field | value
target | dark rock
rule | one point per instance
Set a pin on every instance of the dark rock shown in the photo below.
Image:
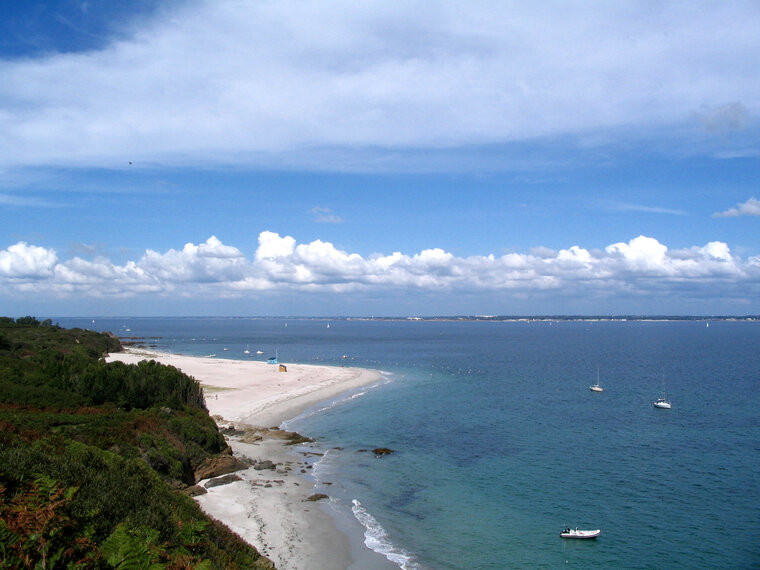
(265, 464)
(382, 451)
(312, 454)
(224, 480)
(317, 497)
(232, 431)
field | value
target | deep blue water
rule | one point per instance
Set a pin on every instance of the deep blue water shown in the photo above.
(499, 443)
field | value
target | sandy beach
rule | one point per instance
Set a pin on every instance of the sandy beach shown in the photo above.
(269, 506)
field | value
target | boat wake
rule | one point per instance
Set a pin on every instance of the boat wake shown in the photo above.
(375, 538)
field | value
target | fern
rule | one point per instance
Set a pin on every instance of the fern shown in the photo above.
(131, 550)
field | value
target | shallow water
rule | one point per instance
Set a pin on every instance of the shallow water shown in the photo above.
(499, 443)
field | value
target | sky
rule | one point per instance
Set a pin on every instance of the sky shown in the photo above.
(417, 158)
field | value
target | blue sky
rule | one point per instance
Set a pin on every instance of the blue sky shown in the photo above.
(343, 158)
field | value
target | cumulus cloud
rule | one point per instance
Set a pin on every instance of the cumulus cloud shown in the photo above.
(271, 246)
(221, 81)
(749, 208)
(207, 262)
(216, 270)
(23, 261)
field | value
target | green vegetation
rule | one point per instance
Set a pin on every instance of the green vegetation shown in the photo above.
(92, 457)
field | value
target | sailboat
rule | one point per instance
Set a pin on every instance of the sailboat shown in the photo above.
(247, 349)
(596, 387)
(662, 402)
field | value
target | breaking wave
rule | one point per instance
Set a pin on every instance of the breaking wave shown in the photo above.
(375, 538)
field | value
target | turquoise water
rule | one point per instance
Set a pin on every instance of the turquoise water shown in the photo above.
(499, 443)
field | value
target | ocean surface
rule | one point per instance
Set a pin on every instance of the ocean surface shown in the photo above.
(499, 443)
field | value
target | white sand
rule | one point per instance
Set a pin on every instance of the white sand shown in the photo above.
(268, 508)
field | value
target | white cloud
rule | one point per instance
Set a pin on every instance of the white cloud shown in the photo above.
(749, 208)
(290, 82)
(641, 254)
(624, 207)
(213, 270)
(271, 245)
(22, 261)
(208, 262)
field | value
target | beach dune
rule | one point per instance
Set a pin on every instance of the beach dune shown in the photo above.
(269, 507)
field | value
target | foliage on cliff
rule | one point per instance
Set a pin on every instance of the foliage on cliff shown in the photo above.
(92, 455)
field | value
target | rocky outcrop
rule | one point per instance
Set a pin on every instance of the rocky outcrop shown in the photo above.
(382, 451)
(223, 480)
(219, 465)
(292, 437)
(193, 491)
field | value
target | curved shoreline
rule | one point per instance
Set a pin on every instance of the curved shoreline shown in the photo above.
(269, 507)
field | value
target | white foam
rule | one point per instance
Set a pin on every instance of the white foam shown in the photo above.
(375, 538)
(339, 401)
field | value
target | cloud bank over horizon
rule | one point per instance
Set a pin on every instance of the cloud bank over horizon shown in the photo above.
(637, 268)
(335, 85)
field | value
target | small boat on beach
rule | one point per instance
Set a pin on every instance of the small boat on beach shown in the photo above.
(577, 533)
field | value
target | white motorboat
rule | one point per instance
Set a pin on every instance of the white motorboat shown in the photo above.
(577, 533)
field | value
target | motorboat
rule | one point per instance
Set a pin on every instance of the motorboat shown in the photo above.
(577, 533)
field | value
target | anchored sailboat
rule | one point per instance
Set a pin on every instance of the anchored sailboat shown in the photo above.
(596, 387)
(662, 402)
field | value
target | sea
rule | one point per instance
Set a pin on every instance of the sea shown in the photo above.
(498, 443)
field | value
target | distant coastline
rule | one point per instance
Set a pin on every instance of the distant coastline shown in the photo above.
(444, 318)
(543, 318)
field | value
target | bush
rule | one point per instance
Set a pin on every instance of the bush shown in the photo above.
(89, 452)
